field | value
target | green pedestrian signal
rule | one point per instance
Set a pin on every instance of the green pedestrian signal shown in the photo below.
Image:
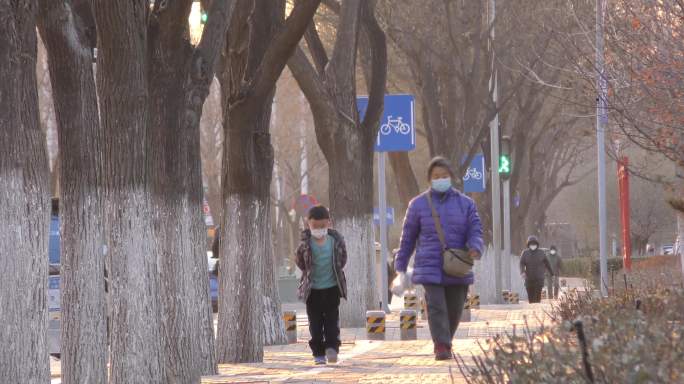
(204, 17)
(504, 165)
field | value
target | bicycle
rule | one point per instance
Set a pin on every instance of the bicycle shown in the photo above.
(397, 124)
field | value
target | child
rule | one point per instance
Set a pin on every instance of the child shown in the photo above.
(321, 256)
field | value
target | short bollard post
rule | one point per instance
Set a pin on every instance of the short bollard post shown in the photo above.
(475, 301)
(375, 325)
(411, 301)
(290, 319)
(506, 296)
(423, 309)
(465, 316)
(514, 298)
(408, 324)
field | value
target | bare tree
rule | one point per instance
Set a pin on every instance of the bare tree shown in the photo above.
(258, 49)
(69, 34)
(175, 165)
(24, 202)
(329, 83)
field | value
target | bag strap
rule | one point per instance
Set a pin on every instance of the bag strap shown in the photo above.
(438, 224)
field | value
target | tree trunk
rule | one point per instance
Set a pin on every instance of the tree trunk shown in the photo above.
(405, 177)
(84, 334)
(24, 203)
(245, 236)
(136, 341)
(352, 207)
(260, 45)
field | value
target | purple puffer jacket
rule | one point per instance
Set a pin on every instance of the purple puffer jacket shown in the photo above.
(462, 229)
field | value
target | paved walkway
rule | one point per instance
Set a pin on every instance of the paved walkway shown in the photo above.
(389, 361)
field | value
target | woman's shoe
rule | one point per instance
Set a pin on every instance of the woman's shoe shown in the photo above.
(442, 352)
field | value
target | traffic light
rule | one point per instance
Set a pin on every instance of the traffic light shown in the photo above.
(204, 17)
(505, 163)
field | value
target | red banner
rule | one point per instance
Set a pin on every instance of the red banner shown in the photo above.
(623, 187)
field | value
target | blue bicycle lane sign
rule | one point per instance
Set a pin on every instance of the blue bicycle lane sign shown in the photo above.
(475, 180)
(397, 125)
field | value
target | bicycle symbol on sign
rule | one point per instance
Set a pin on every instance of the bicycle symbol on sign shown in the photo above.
(474, 173)
(397, 124)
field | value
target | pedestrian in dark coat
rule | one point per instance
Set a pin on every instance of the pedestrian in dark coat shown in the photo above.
(533, 265)
(321, 256)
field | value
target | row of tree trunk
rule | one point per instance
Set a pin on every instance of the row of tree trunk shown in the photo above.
(131, 187)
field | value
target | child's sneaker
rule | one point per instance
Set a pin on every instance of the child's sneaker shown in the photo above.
(319, 360)
(331, 354)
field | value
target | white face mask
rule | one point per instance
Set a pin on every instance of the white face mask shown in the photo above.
(533, 247)
(553, 252)
(319, 233)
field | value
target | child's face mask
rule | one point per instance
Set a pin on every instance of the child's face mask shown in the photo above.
(319, 233)
(553, 252)
(533, 247)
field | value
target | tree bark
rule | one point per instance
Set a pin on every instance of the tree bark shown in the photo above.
(249, 308)
(137, 354)
(84, 334)
(407, 184)
(24, 203)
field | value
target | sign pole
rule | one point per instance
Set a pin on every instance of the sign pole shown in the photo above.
(507, 233)
(496, 181)
(382, 216)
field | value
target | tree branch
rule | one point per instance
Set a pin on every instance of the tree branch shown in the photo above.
(316, 48)
(281, 48)
(310, 84)
(378, 81)
(343, 61)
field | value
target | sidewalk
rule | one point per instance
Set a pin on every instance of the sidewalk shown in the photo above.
(389, 361)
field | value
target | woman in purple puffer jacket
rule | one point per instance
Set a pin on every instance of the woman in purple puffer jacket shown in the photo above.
(445, 295)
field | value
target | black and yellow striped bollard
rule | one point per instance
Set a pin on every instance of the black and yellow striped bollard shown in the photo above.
(408, 322)
(375, 325)
(290, 319)
(514, 298)
(411, 301)
(475, 301)
(506, 294)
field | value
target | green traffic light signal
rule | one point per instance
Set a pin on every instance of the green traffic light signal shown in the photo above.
(504, 165)
(204, 17)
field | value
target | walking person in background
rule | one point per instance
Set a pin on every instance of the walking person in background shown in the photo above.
(441, 221)
(553, 281)
(533, 264)
(321, 256)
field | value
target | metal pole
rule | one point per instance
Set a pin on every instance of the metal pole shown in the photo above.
(601, 120)
(496, 181)
(507, 233)
(382, 216)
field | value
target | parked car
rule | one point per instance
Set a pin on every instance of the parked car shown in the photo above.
(668, 249)
(213, 280)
